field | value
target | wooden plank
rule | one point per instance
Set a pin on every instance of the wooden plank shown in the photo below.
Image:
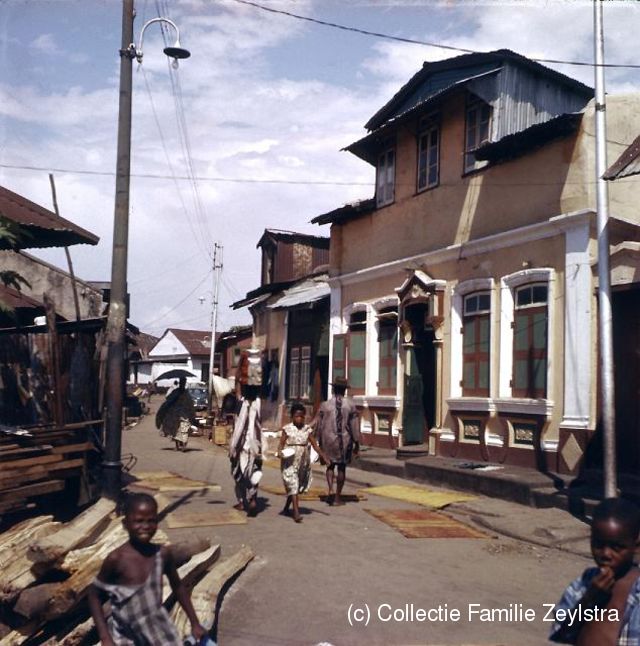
(55, 546)
(207, 518)
(24, 451)
(73, 448)
(37, 471)
(205, 594)
(188, 573)
(43, 459)
(32, 490)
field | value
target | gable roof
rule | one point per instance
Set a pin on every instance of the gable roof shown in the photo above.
(43, 228)
(278, 235)
(435, 77)
(196, 342)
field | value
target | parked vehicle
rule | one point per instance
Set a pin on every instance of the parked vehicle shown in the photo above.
(199, 395)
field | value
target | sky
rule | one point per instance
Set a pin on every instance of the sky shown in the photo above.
(245, 135)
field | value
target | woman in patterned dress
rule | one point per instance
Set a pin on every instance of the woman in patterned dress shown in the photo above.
(296, 468)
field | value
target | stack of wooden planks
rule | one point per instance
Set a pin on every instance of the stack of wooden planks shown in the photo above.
(46, 569)
(39, 461)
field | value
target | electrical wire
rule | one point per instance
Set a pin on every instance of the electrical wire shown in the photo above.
(197, 238)
(183, 132)
(159, 318)
(414, 41)
(201, 178)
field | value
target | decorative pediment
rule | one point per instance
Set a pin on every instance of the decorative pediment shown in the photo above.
(419, 287)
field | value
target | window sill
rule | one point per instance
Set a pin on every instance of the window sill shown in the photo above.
(475, 171)
(377, 401)
(426, 189)
(471, 404)
(511, 405)
(524, 406)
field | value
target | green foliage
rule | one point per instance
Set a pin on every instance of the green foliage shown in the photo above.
(10, 232)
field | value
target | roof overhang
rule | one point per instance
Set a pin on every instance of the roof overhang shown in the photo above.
(368, 147)
(303, 294)
(38, 227)
(530, 138)
(346, 212)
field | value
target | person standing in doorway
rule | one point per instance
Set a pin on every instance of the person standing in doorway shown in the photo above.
(338, 432)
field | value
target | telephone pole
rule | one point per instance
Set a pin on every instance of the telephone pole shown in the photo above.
(217, 270)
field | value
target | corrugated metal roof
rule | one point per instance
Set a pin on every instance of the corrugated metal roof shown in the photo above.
(15, 299)
(439, 72)
(534, 136)
(308, 291)
(367, 149)
(347, 212)
(43, 227)
(627, 164)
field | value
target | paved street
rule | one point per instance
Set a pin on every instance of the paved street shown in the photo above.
(306, 577)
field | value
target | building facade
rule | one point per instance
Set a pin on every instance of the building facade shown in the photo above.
(290, 312)
(463, 294)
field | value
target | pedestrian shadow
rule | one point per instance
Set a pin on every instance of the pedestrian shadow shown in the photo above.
(173, 449)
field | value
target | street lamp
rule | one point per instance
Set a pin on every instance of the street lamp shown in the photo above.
(117, 318)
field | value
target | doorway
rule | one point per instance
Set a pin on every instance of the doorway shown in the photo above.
(626, 356)
(419, 392)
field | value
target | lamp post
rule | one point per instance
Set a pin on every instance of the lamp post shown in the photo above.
(117, 318)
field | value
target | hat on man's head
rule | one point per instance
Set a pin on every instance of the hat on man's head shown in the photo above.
(341, 382)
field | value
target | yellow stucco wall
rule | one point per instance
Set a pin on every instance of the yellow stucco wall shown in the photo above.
(554, 179)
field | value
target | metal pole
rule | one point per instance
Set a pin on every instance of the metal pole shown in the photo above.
(116, 322)
(217, 267)
(604, 279)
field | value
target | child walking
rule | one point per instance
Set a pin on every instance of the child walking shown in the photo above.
(296, 467)
(602, 606)
(131, 578)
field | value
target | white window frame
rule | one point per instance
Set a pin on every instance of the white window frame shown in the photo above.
(508, 286)
(386, 176)
(461, 290)
(470, 162)
(428, 126)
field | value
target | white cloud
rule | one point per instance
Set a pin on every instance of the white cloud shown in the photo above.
(46, 44)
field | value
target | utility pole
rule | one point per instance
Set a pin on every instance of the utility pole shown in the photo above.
(605, 317)
(117, 319)
(217, 269)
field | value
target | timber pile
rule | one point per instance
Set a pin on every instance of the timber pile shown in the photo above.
(38, 462)
(46, 569)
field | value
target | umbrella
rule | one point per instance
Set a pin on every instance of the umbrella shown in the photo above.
(176, 373)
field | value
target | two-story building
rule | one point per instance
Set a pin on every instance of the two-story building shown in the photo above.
(290, 313)
(463, 294)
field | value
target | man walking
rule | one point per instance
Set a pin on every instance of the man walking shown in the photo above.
(338, 433)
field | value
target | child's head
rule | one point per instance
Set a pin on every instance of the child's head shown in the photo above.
(614, 534)
(298, 413)
(140, 517)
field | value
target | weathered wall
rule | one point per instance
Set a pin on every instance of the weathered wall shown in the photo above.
(557, 178)
(46, 278)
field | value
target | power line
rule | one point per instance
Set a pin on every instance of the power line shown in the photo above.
(159, 318)
(199, 178)
(168, 160)
(415, 41)
(625, 180)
